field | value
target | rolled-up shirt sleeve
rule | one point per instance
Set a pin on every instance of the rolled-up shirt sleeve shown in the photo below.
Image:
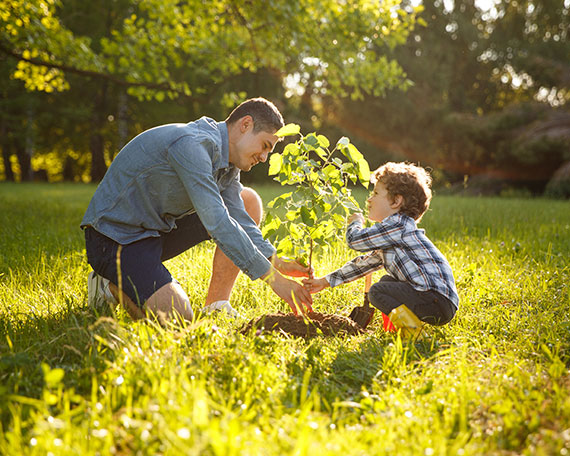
(193, 164)
(234, 203)
(356, 268)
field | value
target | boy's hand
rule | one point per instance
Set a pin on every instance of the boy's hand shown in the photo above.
(291, 268)
(356, 216)
(316, 285)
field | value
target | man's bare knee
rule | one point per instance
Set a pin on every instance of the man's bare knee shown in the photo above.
(253, 204)
(134, 311)
(169, 303)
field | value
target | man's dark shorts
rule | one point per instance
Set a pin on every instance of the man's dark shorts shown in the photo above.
(141, 262)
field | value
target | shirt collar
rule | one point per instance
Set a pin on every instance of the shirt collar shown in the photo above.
(229, 169)
(225, 162)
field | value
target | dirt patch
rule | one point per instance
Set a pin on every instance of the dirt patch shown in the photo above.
(315, 324)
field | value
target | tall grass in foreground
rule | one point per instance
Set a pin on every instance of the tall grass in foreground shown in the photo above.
(494, 381)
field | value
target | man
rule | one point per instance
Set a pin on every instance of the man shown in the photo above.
(172, 187)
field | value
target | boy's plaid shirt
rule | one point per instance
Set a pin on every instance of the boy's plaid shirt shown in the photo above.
(403, 250)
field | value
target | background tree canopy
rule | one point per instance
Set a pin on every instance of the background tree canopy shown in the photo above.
(487, 81)
(489, 97)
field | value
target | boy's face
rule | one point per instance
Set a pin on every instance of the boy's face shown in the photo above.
(380, 205)
(248, 148)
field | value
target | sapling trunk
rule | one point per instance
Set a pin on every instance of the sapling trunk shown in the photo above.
(310, 256)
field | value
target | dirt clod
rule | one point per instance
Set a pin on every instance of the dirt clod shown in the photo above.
(316, 323)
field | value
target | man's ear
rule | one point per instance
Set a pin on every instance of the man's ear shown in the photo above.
(397, 202)
(245, 123)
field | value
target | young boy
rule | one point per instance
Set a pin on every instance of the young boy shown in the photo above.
(418, 275)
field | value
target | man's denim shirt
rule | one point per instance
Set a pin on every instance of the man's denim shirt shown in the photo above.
(173, 170)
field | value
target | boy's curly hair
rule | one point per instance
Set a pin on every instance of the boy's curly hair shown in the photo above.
(411, 181)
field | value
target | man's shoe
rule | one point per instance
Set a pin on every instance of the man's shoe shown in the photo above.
(221, 306)
(98, 293)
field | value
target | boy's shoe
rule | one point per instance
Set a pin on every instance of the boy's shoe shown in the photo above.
(221, 306)
(98, 293)
(407, 321)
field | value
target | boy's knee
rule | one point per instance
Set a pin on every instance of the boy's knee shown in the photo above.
(374, 292)
(379, 299)
(253, 204)
(376, 288)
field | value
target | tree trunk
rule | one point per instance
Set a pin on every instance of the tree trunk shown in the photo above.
(96, 142)
(8, 171)
(69, 169)
(29, 145)
(122, 120)
(6, 152)
(98, 166)
(25, 160)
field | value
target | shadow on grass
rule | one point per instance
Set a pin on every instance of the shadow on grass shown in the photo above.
(68, 339)
(382, 357)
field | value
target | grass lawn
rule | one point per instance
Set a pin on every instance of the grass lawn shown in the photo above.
(495, 380)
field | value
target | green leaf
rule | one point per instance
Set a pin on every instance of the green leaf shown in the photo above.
(323, 141)
(284, 247)
(354, 154)
(288, 130)
(331, 172)
(338, 219)
(284, 176)
(275, 163)
(280, 200)
(52, 377)
(314, 164)
(311, 140)
(363, 172)
(296, 231)
(291, 149)
(349, 168)
(308, 216)
(271, 228)
(321, 152)
(292, 215)
(351, 204)
(344, 141)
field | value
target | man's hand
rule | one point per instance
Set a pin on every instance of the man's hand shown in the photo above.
(356, 216)
(291, 268)
(291, 292)
(316, 285)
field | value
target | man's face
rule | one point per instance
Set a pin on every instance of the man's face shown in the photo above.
(251, 148)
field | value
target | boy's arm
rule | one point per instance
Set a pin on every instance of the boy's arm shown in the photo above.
(356, 268)
(379, 236)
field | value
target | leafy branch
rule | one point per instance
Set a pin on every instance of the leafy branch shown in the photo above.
(310, 218)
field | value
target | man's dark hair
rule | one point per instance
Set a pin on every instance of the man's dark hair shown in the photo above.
(266, 117)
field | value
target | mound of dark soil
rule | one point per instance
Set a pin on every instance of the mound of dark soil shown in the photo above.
(314, 324)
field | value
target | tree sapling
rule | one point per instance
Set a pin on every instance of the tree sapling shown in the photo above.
(310, 218)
